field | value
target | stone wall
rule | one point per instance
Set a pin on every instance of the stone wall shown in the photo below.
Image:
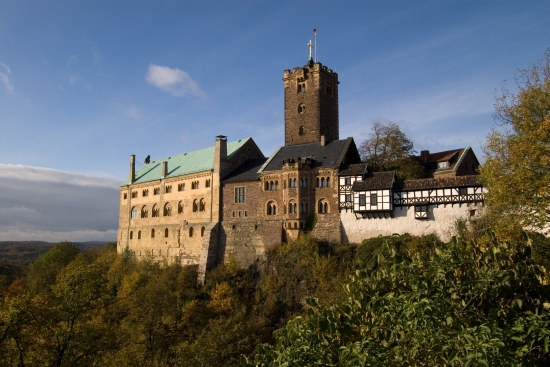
(442, 219)
(247, 241)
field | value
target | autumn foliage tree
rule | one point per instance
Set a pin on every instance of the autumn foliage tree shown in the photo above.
(517, 169)
(388, 149)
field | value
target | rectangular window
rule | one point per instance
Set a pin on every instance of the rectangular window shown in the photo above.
(246, 213)
(125, 195)
(240, 195)
(145, 192)
(462, 191)
(442, 164)
(156, 191)
(373, 199)
(240, 213)
(168, 189)
(348, 198)
(207, 183)
(362, 199)
(181, 187)
(134, 194)
(233, 214)
(421, 212)
(194, 185)
(347, 181)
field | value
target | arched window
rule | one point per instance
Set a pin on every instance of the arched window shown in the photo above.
(139, 235)
(295, 225)
(165, 232)
(301, 108)
(134, 213)
(303, 207)
(271, 208)
(167, 210)
(153, 233)
(267, 185)
(195, 206)
(323, 206)
(180, 207)
(155, 211)
(144, 212)
(318, 182)
(302, 130)
(202, 231)
(328, 181)
(276, 185)
(201, 205)
(323, 183)
(292, 207)
(191, 232)
(131, 234)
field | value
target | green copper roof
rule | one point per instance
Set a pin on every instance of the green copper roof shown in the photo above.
(184, 164)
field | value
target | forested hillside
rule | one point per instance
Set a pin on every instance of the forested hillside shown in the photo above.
(97, 307)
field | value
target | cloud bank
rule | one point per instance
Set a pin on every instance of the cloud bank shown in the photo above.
(174, 81)
(50, 205)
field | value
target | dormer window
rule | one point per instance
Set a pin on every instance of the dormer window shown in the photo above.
(443, 164)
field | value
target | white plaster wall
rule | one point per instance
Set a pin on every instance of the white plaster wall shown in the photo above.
(441, 221)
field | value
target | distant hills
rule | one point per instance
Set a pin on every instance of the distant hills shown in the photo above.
(22, 253)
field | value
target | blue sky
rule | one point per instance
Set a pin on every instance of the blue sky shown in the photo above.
(84, 84)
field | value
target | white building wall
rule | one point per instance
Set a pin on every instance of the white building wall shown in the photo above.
(441, 221)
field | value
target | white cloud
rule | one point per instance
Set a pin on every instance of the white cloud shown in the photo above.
(50, 205)
(5, 67)
(175, 81)
(41, 174)
(7, 83)
(5, 78)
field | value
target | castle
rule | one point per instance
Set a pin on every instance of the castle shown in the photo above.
(203, 206)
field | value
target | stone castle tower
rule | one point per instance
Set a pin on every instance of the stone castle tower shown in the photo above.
(311, 104)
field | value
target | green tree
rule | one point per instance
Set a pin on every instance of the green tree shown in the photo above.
(43, 272)
(388, 149)
(517, 169)
(467, 304)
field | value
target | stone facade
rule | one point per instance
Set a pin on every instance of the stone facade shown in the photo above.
(311, 104)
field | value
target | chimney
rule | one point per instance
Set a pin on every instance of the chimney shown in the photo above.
(424, 154)
(132, 176)
(220, 153)
(323, 139)
(164, 168)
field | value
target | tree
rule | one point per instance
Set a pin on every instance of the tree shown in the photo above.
(466, 304)
(389, 149)
(517, 169)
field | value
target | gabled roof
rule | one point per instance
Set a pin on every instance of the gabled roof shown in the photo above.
(454, 157)
(438, 183)
(375, 181)
(442, 156)
(246, 172)
(329, 155)
(184, 164)
(353, 170)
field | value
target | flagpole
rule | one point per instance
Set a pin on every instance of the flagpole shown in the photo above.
(315, 42)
